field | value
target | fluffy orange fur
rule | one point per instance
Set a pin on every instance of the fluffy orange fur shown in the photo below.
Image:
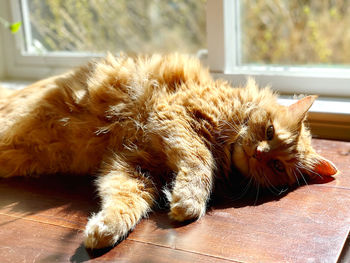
(142, 123)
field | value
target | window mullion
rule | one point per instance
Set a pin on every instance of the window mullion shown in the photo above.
(216, 35)
(223, 35)
(26, 26)
(232, 34)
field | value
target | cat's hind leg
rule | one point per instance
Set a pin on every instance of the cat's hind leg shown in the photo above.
(127, 195)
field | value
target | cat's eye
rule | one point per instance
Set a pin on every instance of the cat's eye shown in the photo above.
(278, 166)
(270, 132)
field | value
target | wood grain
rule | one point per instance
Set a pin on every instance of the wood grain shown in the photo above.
(58, 200)
(311, 223)
(41, 220)
(49, 243)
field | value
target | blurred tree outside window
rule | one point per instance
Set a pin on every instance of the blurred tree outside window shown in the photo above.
(132, 26)
(295, 32)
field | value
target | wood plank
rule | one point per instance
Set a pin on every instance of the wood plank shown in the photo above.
(131, 251)
(308, 225)
(28, 241)
(57, 200)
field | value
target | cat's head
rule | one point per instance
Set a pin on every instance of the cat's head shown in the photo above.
(274, 146)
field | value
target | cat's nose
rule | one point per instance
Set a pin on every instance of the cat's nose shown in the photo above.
(258, 153)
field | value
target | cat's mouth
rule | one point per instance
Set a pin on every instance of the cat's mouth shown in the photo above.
(253, 163)
(244, 160)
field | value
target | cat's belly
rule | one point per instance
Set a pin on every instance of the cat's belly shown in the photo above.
(45, 151)
(41, 134)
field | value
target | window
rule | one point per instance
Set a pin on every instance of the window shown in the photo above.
(130, 26)
(295, 46)
(57, 35)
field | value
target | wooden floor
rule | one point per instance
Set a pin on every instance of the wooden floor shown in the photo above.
(42, 220)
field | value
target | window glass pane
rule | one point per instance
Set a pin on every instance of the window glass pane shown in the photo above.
(122, 25)
(295, 32)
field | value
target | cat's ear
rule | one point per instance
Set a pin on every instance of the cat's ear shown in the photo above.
(321, 168)
(299, 109)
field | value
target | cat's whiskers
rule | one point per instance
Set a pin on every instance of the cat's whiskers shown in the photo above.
(245, 190)
(301, 166)
(231, 126)
(223, 137)
(296, 177)
(273, 188)
(231, 134)
(255, 175)
(228, 133)
(302, 176)
(257, 191)
(222, 140)
(240, 122)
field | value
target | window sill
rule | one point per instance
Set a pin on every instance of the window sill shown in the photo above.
(14, 84)
(329, 117)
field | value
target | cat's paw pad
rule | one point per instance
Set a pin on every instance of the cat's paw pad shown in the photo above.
(189, 209)
(98, 234)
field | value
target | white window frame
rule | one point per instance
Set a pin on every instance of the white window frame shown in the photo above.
(331, 116)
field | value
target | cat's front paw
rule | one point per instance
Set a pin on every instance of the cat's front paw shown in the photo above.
(182, 209)
(99, 233)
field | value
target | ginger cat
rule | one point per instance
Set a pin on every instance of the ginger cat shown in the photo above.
(142, 123)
